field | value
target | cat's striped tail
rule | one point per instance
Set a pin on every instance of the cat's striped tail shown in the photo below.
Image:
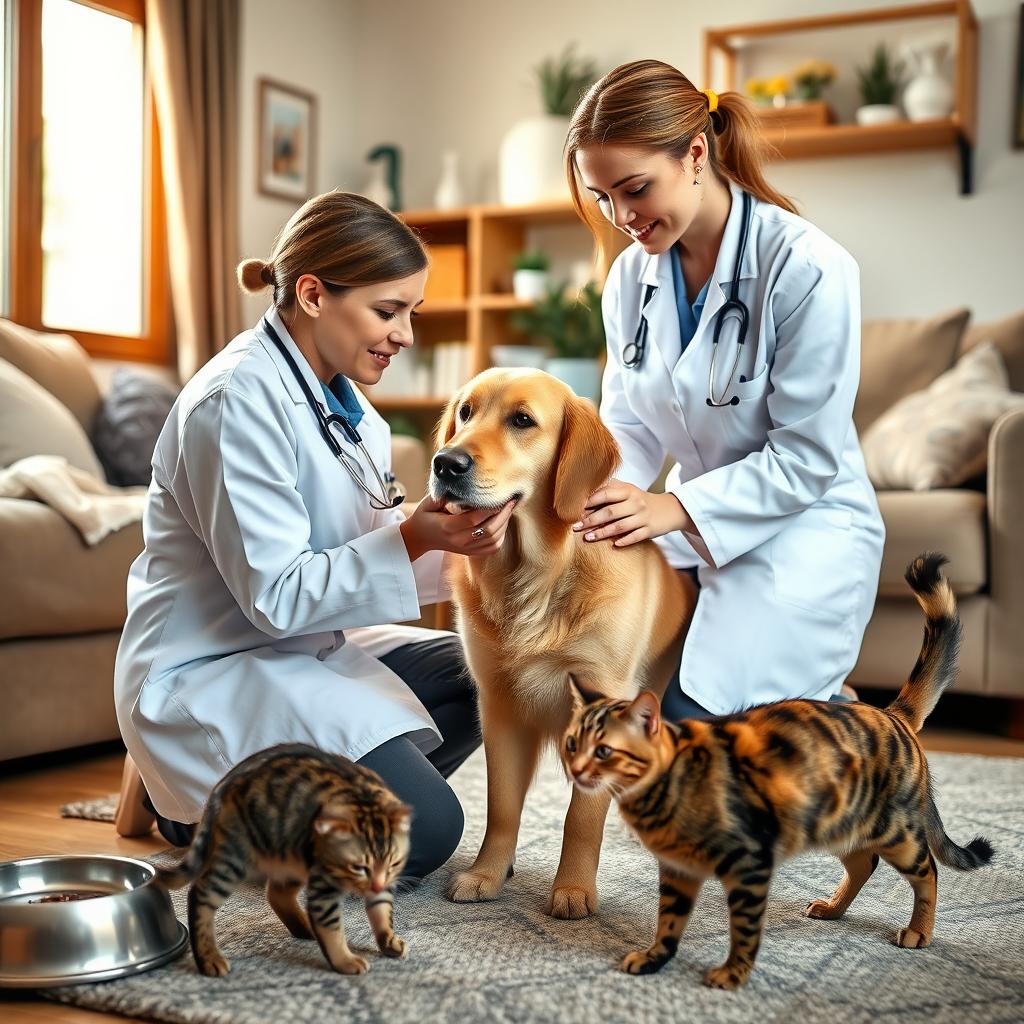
(188, 867)
(963, 858)
(937, 663)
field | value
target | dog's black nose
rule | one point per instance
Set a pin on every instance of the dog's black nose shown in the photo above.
(452, 463)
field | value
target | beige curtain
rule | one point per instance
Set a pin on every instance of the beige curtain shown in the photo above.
(192, 49)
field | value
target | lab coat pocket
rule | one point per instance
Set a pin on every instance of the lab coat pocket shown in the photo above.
(813, 563)
(745, 419)
(750, 390)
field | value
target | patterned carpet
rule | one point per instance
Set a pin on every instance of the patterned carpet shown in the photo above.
(507, 963)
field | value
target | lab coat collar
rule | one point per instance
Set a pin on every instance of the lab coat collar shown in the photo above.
(292, 386)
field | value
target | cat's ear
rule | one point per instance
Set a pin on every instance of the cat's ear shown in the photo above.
(646, 712)
(336, 823)
(401, 817)
(583, 694)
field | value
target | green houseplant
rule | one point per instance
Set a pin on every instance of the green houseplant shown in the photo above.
(563, 80)
(879, 83)
(530, 275)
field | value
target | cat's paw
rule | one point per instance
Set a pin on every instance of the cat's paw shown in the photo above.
(351, 965)
(572, 902)
(214, 966)
(727, 976)
(395, 948)
(911, 938)
(822, 910)
(643, 961)
(473, 887)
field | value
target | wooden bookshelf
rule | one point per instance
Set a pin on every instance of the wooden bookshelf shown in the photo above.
(492, 237)
(958, 131)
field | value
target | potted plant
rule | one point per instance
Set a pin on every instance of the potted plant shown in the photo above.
(530, 275)
(768, 91)
(573, 326)
(811, 77)
(879, 83)
(530, 158)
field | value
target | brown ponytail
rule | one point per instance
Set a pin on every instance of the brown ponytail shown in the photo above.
(344, 239)
(651, 104)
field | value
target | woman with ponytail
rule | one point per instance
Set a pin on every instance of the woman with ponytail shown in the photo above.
(733, 330)
(276, 562)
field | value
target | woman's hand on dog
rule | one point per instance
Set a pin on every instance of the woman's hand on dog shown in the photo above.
(477, 533)
(625, 514)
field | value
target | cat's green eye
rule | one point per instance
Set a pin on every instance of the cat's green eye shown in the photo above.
(602, 753)
(570, 744)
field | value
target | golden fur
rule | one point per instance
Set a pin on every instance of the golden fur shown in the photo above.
(547, 605)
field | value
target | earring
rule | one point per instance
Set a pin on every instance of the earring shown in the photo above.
(696, 175)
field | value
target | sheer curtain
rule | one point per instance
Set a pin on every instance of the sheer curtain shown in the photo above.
(192, 49)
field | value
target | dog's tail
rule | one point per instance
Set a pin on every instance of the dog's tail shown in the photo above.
(937, 663)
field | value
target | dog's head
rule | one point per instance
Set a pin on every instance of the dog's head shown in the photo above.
(520, 434)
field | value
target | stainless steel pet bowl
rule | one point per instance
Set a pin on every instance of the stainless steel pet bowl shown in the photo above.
(110, 921)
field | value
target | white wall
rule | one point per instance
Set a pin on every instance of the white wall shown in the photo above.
(310, 44)
(457, 74)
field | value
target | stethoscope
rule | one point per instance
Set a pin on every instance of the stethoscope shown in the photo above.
(391, 493)
(633, 354)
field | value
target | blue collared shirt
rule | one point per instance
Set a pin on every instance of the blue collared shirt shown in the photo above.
(342, 401)
(689, 316)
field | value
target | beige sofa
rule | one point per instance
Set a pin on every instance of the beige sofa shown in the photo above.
(62, 604)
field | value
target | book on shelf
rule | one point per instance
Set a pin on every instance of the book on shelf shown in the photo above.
(451, 367)
(437, 374)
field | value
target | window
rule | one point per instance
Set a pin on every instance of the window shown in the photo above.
(87, 231)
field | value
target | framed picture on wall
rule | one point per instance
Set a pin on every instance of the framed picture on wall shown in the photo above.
(285, 141)
(1018, 100)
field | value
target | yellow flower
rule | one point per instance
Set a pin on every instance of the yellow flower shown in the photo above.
(777, 86)
(756, 87)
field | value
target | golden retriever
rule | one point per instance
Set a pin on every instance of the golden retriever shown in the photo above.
(546, 605)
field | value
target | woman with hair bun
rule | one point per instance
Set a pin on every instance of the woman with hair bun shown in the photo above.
(276, 558)
(733, 330)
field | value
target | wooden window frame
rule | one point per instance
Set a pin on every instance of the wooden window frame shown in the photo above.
(26, 264)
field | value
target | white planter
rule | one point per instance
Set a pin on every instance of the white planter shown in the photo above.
(878, 113)
(582, 375)
(511, 356)
(530, 161)
(928, 95)
(529, 285)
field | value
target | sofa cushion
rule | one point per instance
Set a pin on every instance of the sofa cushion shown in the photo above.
(33, 422)
(939, 437)
(1007, 336)
(55, 584)
(901, 356)
(952, 522)
(55, 361)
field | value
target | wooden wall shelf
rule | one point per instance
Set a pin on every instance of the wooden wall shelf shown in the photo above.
(957, 131)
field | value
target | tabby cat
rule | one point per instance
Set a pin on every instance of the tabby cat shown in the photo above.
(732, 796)
(297, 816)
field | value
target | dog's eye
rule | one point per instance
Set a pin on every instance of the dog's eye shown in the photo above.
(570, 744)
(522, 421)
(465, 412)
(602, 753)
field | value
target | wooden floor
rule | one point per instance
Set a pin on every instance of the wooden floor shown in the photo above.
(31, 825)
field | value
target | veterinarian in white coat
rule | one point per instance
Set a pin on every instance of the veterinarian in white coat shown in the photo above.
(259, 611)
(768, 497)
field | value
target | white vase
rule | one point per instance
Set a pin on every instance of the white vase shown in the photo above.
(530, 161)
(376, 189)
(509, 356)
(877, 113)
(529, 285)
(449, 193)
(582, 375)
(928, 95)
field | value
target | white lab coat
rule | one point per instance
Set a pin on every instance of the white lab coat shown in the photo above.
(790, 533)
(261, 559)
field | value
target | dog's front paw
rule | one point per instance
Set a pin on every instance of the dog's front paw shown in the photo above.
(473, 887)
(571, 902)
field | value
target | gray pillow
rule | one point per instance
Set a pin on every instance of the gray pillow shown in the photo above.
(127, 424)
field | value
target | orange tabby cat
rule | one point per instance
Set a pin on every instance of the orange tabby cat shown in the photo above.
(733, 796)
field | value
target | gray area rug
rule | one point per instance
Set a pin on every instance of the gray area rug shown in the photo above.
(100, 809)
(508, 963)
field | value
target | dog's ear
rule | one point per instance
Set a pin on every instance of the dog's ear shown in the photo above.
(587, 457)
(583, 694)
(448, 422)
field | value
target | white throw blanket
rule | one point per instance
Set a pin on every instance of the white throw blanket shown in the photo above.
(91, 505)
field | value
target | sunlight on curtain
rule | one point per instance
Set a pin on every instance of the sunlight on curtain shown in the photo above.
(93, 157)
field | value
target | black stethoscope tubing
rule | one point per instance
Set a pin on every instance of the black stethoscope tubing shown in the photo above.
(390, 495)
(634, 352)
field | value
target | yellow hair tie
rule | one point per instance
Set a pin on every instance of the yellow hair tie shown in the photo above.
(712, 99)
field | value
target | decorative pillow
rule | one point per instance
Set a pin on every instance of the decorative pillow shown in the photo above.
(55, 361)
(939, 437)
(898, 357)
(33, 422)
(1007, 336)
(128, 423)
